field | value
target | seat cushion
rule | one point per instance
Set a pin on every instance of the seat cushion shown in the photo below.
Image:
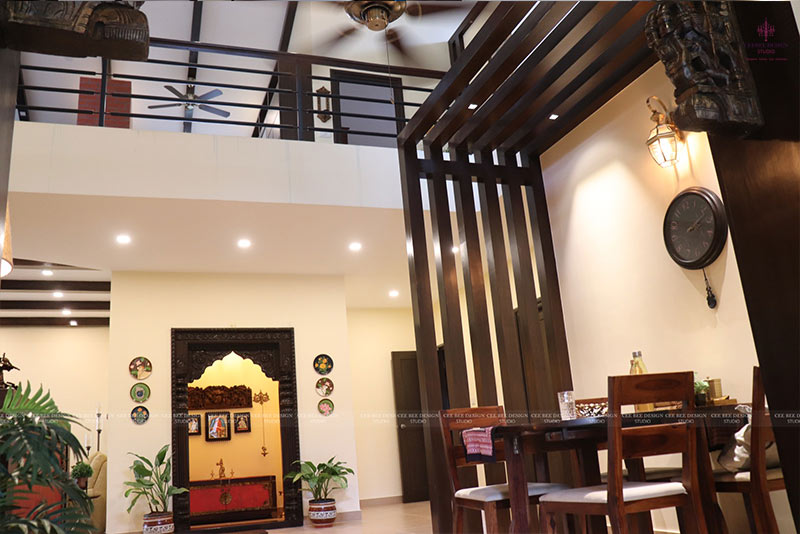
(499, 492)
(744, 476)
(631, 491)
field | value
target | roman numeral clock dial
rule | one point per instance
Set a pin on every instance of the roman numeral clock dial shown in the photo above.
(695, 231)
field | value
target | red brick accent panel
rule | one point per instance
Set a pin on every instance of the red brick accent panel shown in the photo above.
(114, 104)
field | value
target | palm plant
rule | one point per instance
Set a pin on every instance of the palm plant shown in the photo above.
(34, 435)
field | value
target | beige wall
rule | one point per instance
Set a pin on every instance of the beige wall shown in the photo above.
(242, 453)
(373, 334)
(621, 291)
(146, 306)
(72, 363)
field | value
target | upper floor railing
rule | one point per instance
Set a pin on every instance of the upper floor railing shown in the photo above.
(273, 94)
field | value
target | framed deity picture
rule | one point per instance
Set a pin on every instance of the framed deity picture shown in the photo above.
(241, 422)
(193, 422)
(218, 426)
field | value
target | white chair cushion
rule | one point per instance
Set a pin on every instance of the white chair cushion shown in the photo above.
(631, 491)
(744, 476)
(499, 492)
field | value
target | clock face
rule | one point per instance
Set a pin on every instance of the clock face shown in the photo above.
(695, 228)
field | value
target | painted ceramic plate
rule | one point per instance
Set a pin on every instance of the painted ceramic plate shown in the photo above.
(325, 407)
(323, 364)
(140, 368)
(140, 392)
(324, 387)
(140, 415)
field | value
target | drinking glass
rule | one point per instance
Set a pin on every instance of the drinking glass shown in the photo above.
(566, 403)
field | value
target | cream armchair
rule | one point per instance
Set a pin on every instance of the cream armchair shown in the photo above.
(96, 488)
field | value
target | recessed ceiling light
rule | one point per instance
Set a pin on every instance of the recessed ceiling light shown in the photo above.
(244, 243)
(73, 323)
(66, 311)
(58, 294)
(355, 246)
(394, 293)
(553, 117)
(47, 272)
(124, 239)
(473, 106)
(455, 249)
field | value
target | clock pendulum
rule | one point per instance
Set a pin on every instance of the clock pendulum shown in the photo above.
(711, 299)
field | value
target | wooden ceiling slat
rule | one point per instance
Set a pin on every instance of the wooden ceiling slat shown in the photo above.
(54, 285)
(512, 52)
(609, 81)
(54, 305)
(600, 45)
(53, 321)
(562, 20)
(498, 27)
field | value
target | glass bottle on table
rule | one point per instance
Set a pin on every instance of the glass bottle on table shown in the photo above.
(639, 368)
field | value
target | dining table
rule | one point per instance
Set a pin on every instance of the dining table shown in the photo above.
(587, 435)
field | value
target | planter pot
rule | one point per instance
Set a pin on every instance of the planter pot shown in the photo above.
(322, 512)
(158, 523)
(699, 399)
(82, 482)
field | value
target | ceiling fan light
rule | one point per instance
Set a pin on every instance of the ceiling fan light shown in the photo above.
(6, 257)
(376, 18)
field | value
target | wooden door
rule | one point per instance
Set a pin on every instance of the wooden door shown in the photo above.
(408, 408)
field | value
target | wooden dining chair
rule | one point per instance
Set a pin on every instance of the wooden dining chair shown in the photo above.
(619, 498)
(488, 499)
(756, 484)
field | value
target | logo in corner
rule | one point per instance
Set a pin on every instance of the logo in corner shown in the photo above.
(766, 30)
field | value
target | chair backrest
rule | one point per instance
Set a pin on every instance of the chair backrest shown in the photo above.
(459, 419)
(646, 439)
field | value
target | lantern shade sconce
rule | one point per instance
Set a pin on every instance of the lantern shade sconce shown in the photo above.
(6, 257)
(323, 104)
(665, 138)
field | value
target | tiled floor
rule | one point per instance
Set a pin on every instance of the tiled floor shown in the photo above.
(413, 518)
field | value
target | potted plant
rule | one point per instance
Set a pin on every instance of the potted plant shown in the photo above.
(32, 427)
(152, 481)
(700, 390)
(81, 473)
(321, 480)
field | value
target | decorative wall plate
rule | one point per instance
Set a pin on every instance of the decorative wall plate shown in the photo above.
(140, 392)
(140, 368)
(140, 415)
(325, 407)
(324, 386)
(323, 364)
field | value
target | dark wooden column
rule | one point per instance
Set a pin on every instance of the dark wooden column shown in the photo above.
(9, 75)
(760, 182)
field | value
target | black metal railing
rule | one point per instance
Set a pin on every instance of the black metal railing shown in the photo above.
(297, 106)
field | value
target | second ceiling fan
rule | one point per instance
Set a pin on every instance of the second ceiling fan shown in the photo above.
(193, 101)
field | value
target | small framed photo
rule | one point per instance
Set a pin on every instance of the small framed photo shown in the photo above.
(241, 422)
(193, 422)
(218, 426)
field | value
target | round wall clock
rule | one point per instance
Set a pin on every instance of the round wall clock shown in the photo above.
(140, 415)
(140, 368)
(323, 364)
(695, 228)
(324, 386)
(140, 392)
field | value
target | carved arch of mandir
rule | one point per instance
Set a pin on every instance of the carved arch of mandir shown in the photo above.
(272, 349)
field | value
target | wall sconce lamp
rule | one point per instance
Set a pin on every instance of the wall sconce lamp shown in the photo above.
(664, 137)
(6, 257)
(323, 104)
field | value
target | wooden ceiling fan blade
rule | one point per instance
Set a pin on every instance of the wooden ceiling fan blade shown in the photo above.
(338, 38)
(395, 40)
(158, 106)
(174, 91)
(417, 9)
(214, 93)
(215, 111)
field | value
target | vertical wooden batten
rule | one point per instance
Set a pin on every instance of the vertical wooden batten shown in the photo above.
(9, 76)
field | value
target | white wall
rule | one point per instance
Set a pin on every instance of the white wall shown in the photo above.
(621, 291)
(72, 363)
(373, 334)
(146, 306)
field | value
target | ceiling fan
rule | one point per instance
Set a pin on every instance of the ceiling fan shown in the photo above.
(377, 16)
(197, 101)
